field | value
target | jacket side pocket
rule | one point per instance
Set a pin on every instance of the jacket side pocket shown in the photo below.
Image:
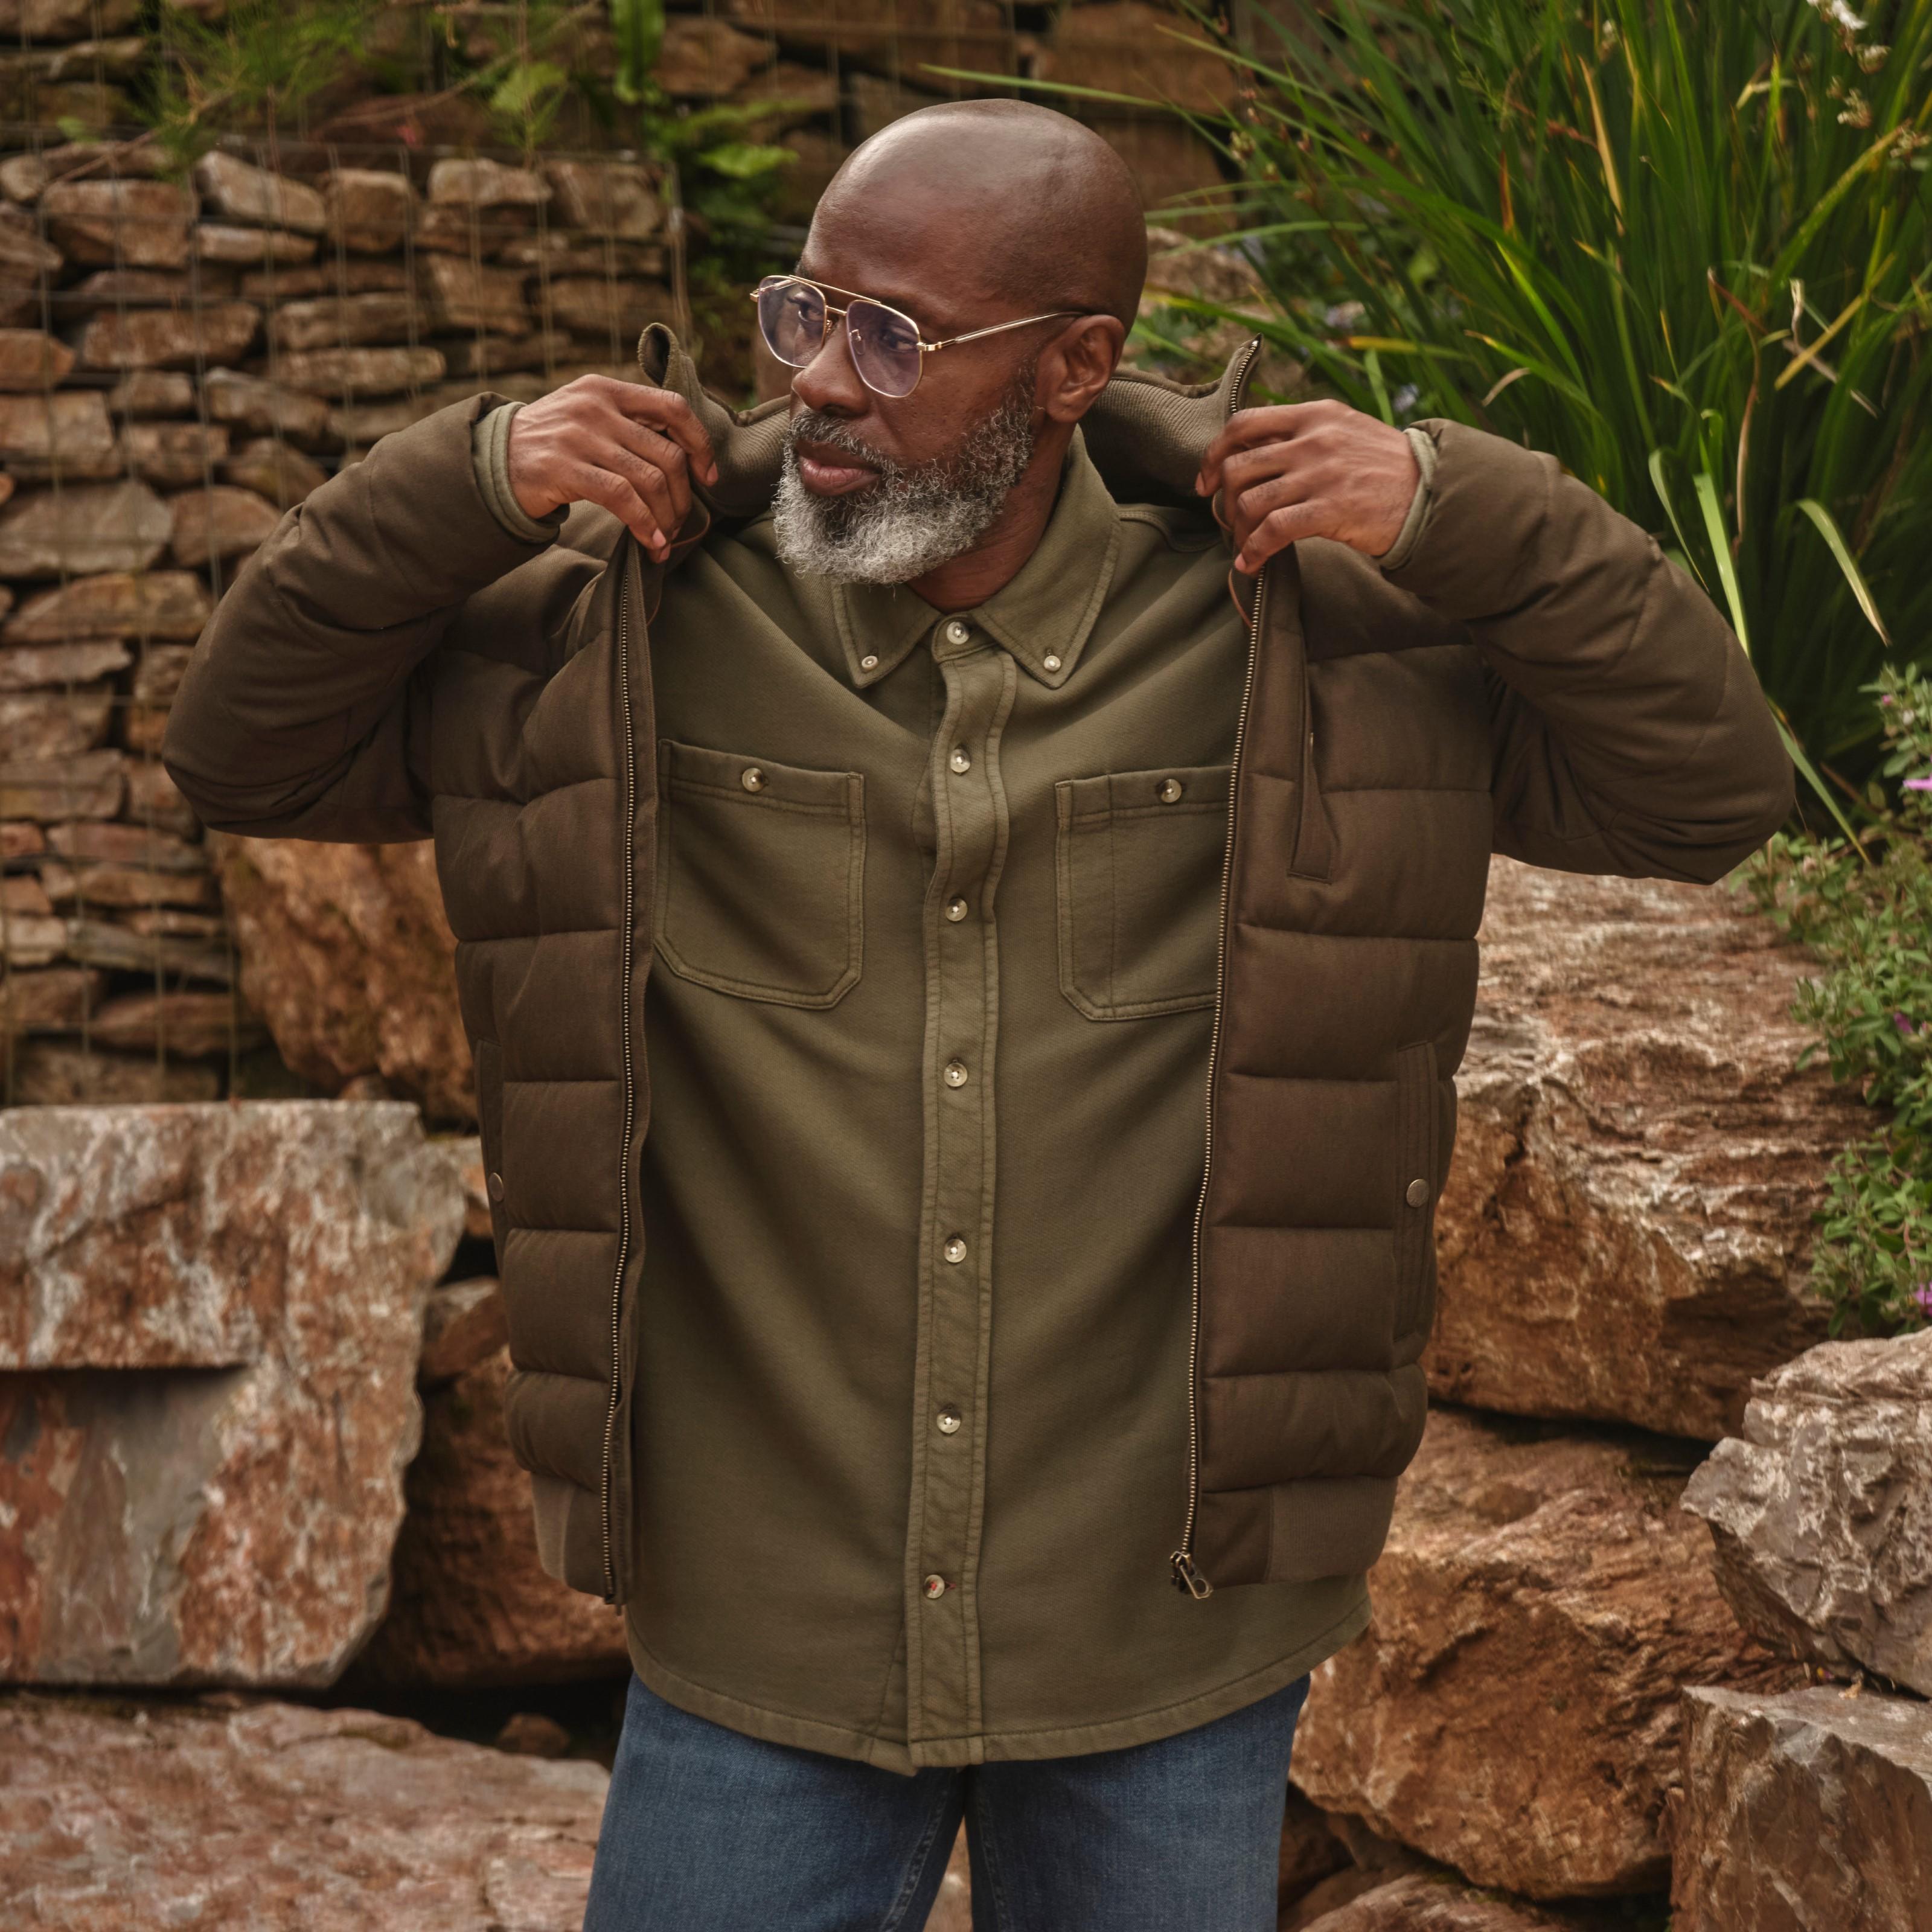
(1415, 1182)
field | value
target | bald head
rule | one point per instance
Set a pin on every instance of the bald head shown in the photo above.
(1013, 200)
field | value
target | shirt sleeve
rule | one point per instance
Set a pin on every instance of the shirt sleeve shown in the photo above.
(1399, 553)
(490, 454)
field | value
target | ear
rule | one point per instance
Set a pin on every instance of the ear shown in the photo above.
(1077, 364)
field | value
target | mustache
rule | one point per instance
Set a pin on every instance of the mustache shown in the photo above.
(810, 426)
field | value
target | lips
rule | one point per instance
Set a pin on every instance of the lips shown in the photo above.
(829, 472)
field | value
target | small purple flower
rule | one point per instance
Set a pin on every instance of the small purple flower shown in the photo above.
(1922, 1294)
(1918, 784)
(1903, 1023)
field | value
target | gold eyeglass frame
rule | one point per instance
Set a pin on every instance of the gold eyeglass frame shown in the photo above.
(834, 312)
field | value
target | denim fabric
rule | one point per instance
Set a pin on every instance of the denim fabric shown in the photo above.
(706, 1830)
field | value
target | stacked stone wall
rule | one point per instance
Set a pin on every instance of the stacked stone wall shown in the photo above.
(183, 360)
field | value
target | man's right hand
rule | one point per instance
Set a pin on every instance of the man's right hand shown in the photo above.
(632, 448)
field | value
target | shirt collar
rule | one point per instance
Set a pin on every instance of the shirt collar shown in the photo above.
(1043, 617)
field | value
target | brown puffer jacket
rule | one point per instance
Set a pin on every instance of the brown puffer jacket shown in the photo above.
(1538, 681)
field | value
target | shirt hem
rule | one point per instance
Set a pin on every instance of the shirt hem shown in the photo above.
(1167, 1720)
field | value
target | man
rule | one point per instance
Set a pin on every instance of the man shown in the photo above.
(894, 1329)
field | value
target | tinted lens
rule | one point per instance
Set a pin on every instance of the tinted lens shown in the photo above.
(792, 316)
(885, 348)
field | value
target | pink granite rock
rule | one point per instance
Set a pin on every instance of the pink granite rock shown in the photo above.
(226, 1512)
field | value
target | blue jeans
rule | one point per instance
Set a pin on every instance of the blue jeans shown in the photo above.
(706, 1830)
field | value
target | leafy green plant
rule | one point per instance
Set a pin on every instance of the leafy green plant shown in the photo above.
(639, 28)
(1866, 910)
(1686, 248)
(258, 63)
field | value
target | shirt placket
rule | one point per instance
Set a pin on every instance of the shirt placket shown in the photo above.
(949, 1398)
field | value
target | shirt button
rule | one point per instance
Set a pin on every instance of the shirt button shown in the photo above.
(752, 778)
(933, 1586)
(956, 633)
(955, 1075)
(1417, 1193)
(948, 1421)
(954, 1249)
(962, 759)
(868, 662)
(1171, 790)
(496, 1187)
(956, 910)
(1051, 662)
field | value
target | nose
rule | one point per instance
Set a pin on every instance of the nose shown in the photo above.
(829, 382)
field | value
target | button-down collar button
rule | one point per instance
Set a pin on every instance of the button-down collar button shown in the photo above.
(869, 662)
(956, 1073)
(752, 778)
(954, 1249)
(1417, 1193)
(1051, 662)
(956, 633)
(948, 1420)
(1171, 790)
(956, 910)
(496, 1187)
(962, 759)
(935, 1587)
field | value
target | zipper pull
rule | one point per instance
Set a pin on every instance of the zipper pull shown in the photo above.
(1188, 1580)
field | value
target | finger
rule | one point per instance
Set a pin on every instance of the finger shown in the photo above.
(1245, 468)
(675, 417)
(1252, 506)
(615, 494)
(663, 459)
(1276, 531)
(659, 494)
(1278, 422)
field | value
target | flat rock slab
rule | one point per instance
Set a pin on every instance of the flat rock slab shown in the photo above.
(210, 1317)
(277, 1818)
(1512, 1709)
(1626, 1230)
(1822, 1511)
(1808, 1813)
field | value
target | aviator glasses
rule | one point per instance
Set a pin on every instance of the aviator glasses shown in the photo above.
(795, 316)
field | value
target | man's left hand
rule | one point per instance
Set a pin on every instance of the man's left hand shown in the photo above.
(1309, 470)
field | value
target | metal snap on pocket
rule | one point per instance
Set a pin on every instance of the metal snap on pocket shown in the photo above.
(752, 778)
(1416, 1194)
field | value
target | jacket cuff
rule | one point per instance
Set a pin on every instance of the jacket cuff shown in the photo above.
(1399, 552)
(490, 454)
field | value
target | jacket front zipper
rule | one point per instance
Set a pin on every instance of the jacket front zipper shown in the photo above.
(1186, 1576)
(630, 1080)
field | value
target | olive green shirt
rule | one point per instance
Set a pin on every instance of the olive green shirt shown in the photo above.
(928, 1039)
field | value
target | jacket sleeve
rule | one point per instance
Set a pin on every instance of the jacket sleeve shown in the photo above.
(304, 711)
(1629, 734)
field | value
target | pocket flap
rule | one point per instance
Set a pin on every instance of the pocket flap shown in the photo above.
(755, 780)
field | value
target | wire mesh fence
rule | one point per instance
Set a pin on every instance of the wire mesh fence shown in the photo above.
(186, 352)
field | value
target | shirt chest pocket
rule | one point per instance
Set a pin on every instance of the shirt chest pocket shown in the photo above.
(1138, 858)
(761, 875)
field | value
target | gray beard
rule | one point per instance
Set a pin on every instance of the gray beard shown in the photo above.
(916, 516)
